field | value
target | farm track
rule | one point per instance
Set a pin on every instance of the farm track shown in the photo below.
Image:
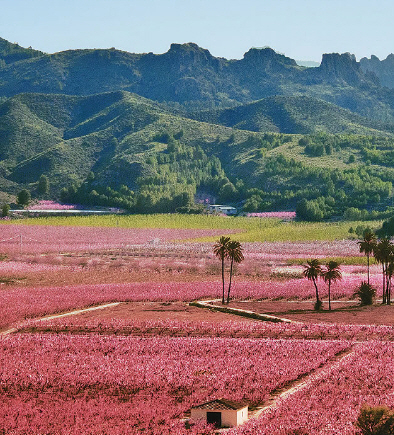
(239, 312)
(303, 381)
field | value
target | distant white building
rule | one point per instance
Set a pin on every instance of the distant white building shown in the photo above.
(221, 413)
(225, 209)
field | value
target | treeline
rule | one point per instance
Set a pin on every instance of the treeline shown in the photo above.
(318, 193)
(377, 150)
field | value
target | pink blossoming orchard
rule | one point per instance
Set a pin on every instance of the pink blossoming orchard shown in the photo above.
(98, 336)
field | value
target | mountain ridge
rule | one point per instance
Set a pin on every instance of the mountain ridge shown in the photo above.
(190, 77)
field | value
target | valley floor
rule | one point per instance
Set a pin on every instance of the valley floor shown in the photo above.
(105, 341)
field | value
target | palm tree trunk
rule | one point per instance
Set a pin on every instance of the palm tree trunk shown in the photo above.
(317, 291)
(329, 295)
(223, 279)
(229, 285)
(368, 267)
(387, 287)
(384, 286)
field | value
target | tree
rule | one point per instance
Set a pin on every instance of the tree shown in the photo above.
(184, 199)
(234, 253)
(220, 249)
(387, 229)
(43, 185)
(312, 271)
(309, 210)
(228, 192)
(5, 210)
(384, 254)
(367, 245)
(331, 274)
(23, 197)
(389, 275)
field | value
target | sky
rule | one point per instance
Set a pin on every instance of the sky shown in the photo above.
(300, 29)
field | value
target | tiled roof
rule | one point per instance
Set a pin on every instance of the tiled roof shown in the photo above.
(221, 404)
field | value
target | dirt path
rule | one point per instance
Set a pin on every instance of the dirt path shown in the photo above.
(212, 305)
(57, 316)
(303, 382)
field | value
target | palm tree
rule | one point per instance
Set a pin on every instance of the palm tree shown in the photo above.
(234, 251)
(331, 274)
(389, 273)
(367, 245)
(383, 253)
(220, 249)
(312, 271)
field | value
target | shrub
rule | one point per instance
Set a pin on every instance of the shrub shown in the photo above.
(377, 420)
(315, 150)
(23, 197)
(163, 137)
(318, 305)
(366, 293)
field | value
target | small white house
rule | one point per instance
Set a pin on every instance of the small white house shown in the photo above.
(221, 413)
(225, 209)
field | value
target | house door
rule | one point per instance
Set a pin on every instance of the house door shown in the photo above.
(214, 418)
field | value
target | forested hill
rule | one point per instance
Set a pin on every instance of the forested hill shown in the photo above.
(120, 149)
(188, 76)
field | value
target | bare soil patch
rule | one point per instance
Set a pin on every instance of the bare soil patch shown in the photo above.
(160, 311)
(343, 312)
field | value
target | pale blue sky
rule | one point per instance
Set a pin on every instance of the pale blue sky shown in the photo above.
(301, 29)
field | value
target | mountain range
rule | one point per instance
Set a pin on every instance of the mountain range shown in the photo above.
(120, 116)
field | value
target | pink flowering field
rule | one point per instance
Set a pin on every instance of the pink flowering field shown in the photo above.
(224, 329)
(19, 303)
(104, 375)
(46, 238)
(50, 205)
(330, 404)
(59, 384)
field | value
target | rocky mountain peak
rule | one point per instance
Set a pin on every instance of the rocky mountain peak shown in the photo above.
(189, 52)
(383, 69)
(342, 67)
(262, 57)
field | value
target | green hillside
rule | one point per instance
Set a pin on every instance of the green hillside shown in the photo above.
(294, 115)
(119, 149)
